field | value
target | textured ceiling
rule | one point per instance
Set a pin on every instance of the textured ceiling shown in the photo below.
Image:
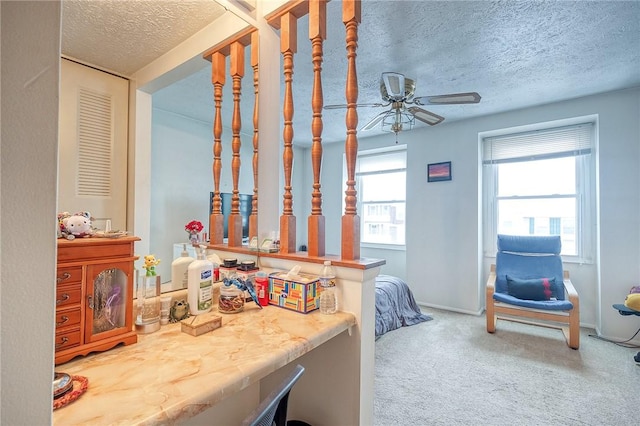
(125, 35)
(514, 53)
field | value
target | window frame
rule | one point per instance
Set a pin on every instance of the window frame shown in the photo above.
(360, 204)
(586, 190)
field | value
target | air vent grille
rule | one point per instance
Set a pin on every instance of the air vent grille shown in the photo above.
(95, 144)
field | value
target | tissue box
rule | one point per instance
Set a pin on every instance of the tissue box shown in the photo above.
(300, 293)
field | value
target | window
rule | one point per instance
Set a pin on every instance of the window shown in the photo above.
(541, 182)
(381, 182)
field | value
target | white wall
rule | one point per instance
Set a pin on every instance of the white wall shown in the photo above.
(443, 260)
(28, 178)
(182, 178)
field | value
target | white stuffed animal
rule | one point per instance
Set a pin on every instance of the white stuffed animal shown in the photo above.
(75, 226)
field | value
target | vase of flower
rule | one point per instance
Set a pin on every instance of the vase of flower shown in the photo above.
(194, 228)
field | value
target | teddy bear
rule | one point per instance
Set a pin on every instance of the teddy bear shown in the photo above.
(150, 263)
(73, 226)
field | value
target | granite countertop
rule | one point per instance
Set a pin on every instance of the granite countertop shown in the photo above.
(170, 375)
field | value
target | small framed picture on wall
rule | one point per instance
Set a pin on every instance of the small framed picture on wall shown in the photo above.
(438, 172)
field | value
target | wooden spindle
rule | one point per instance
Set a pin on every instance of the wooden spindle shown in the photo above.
(288, 46)
(234, 224)
(216, 218)
(253, 218)
(317, 35)
(350, 247)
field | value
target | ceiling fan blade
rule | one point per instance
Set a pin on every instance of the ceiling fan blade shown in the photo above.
(425, 116)
(394, 83)
(451, 99)
(340, 106)
(374, 122)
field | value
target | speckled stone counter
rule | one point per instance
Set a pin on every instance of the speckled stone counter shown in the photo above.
(170, 376)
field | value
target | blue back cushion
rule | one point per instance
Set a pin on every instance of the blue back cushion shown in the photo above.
(529, 257)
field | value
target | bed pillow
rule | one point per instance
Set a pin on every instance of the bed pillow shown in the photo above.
(531, 289)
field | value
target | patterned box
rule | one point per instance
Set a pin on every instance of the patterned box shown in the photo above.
(300, 293)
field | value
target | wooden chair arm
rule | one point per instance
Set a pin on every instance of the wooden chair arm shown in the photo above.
(491, 282)
(570, 289)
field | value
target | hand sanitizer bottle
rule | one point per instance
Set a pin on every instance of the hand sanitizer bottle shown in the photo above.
(200, 284)
(179, 269)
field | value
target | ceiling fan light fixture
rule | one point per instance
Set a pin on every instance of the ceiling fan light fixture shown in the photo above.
(396, 121)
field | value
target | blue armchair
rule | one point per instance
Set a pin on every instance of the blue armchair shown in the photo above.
(527, 284)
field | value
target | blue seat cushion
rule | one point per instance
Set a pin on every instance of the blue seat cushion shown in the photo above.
(548, 305)
(531, 289)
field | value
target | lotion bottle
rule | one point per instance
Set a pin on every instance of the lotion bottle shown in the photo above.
(179, 270)
(200, 284)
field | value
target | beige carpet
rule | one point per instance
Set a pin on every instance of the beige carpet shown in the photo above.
(450, 371)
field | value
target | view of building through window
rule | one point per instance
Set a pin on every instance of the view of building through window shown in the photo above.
(381, 182)
(539, 198)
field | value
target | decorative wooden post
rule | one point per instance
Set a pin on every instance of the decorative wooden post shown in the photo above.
(317, 34)
(216, 218)
(288, 46)
(351, 17)
(234, 224)
(255, 59)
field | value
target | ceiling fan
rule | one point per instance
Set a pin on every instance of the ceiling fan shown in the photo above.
(398, 92)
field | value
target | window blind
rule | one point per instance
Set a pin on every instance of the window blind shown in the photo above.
(538, 144)
(381, 161)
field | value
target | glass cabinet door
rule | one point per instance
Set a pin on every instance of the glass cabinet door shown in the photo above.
(107, 299)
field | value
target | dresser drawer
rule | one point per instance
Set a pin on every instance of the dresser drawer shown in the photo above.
(68, 295)
(67, 318)
(69, 275)
(67, 339)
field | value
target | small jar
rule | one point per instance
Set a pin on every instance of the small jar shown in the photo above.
(231, 300)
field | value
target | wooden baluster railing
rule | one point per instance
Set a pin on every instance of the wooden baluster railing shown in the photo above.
(234, 224)
(288, 46)
(351, 17)
(216, 218)
(317, 34)
(234, 48)
(255, 54)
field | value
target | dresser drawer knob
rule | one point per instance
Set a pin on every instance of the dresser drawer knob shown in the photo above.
(64, 277)
(62, 342)
(64, 319)
(64, 298)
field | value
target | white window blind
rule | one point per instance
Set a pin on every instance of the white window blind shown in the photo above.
(379, 161)
(568, 141)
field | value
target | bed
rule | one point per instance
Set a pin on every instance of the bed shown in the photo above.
(395, 305)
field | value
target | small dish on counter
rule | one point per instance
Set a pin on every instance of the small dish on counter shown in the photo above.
(110, 234)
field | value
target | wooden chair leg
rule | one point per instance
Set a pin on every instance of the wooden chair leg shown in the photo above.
(574, 330)
(491, 317)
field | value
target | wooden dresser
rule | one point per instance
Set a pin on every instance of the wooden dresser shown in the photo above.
(94, 295)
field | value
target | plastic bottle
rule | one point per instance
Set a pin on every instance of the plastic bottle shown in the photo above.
(262, 287)
(213, 258)
(200, 287)
(179, 269)
(328, 296)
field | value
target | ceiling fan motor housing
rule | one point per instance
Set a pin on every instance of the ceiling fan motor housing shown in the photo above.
(395, 81)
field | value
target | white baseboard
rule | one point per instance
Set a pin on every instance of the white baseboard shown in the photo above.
(449, 308)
